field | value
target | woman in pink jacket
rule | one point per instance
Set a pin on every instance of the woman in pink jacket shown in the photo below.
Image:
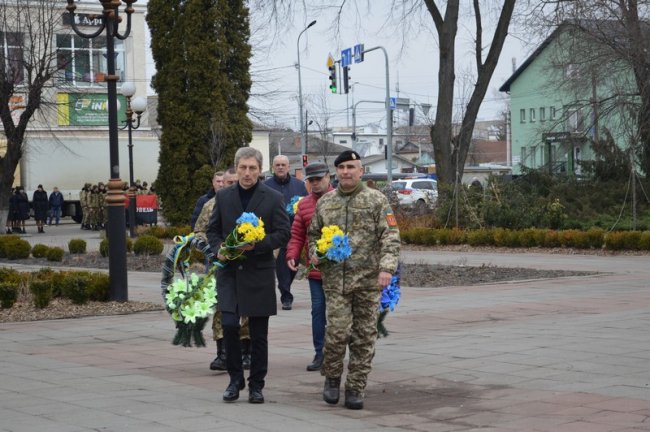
(317, 174)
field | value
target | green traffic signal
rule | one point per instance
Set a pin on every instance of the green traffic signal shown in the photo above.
(333, 81)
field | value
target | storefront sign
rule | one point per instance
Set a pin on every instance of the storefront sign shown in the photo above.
(86, 109)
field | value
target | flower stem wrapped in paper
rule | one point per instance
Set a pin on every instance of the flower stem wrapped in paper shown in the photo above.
(390, 296)
(248, 231)
(333, 246)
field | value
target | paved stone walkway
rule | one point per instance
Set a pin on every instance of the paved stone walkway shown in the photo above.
(570, 354)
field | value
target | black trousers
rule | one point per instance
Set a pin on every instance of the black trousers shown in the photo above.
(259, 331)
(285, 276)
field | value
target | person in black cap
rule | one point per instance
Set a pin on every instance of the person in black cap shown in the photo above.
(353, 287)
(318, 176)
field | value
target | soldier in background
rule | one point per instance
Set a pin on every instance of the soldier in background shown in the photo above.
(103, 211)
(84, 202)
(200, 229)
(353, 287)
(94, 202)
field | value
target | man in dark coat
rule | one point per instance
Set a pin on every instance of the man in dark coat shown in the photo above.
(247, 286)
(40, 204)
(289, 187)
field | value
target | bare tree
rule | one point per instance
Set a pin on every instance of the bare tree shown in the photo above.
(28, 63)
(606, 64)
(320, 113)
(450, 149)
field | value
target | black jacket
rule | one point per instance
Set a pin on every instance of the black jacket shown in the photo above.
(248, 285)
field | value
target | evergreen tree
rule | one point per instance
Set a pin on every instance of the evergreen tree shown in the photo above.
(201, 53)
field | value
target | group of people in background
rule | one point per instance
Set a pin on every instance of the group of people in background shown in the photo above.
(344, 296)
(47, 209)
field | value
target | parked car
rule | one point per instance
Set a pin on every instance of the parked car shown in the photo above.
(420, 193)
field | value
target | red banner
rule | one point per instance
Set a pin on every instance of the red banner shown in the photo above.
(143, 202)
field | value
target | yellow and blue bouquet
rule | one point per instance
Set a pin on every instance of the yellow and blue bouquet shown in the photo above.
(249, 230)
(292, 207)
(333, 245)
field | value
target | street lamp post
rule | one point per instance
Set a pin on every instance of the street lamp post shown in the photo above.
(136, 105)
(118, 287)
(303, 137)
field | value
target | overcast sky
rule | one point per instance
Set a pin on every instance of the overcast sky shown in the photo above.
(412, 55)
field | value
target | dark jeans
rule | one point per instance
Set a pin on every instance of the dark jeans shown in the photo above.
(55, 213)
(318, 319)
(285, 277)
(259, 330)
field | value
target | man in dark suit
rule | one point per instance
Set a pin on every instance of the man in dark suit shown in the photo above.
(247, 286)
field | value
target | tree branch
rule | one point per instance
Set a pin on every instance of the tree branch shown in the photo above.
(435, 14)
(479, 36)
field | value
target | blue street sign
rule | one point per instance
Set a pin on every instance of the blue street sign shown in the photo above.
(393, 103)
(358, 53)
(346, 57)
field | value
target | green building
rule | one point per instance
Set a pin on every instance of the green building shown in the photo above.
(561, 102)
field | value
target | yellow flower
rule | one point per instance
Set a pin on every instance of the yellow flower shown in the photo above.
(251, 233)
(295, 205)
(325, 241)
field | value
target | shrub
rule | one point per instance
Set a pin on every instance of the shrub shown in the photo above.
(98, 289)
(551, 239)
(182, 230)
(8, 294)
(480, 237)
(77, 246)
(55, 254)
(3, 241)
(103, 247)
(17, 248)
(74, 287)
(148, 245)
(596, 238)
(156, 231)
(644, 241)
(9, 275)
(614, 240)
(57, 280)
(40, 250)
(42, 291)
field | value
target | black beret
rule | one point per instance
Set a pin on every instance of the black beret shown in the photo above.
(347, 155)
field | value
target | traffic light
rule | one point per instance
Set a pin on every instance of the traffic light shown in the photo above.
(304, 160)
(333, 81)
(411, 116)
(346, 80)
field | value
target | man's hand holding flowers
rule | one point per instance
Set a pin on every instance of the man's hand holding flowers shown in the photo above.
(248, 231)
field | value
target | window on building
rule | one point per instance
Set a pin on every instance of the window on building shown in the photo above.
(522, 116)
(11, 56)
(343, 141)
(381, 141)
(574, 120)
(552, 113)
(524, 156)
(532, 115)
(83, 61)
(542, 114)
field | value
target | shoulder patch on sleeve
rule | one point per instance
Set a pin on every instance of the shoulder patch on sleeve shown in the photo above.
(390, 219)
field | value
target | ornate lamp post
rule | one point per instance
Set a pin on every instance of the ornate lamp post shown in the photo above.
(118, 288)
(136, 105)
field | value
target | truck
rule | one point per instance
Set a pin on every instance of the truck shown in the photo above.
(69, 159)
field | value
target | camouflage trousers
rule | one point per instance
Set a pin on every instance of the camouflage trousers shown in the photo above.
(351, 323)
(85, 211)
(217, 328)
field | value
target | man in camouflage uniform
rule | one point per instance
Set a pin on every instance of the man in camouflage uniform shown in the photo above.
(200, 229)
(84, 202)
(103, 211)
(353, 287)
(94, 201)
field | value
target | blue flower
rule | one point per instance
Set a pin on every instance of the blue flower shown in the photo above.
(248, 218)
(340, 250)
(391, 293)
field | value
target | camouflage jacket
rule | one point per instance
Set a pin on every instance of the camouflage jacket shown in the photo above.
(201, 224)
(365, 216)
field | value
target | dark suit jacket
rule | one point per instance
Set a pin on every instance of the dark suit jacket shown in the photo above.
(248, 285)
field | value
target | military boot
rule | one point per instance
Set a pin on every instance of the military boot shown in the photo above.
(353, 399)
(331, 390)
(219, 363)
(246, 353)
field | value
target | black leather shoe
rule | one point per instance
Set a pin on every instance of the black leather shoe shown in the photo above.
(331, 390)
(219, 362)
(255, 396)
(316, 364)
(246, 361)
(232, 391)
(286, 305)
(353, 400)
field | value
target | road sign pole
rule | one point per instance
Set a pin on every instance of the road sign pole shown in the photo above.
(389, 117)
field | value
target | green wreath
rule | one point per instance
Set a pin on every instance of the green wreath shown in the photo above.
(190, 299)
